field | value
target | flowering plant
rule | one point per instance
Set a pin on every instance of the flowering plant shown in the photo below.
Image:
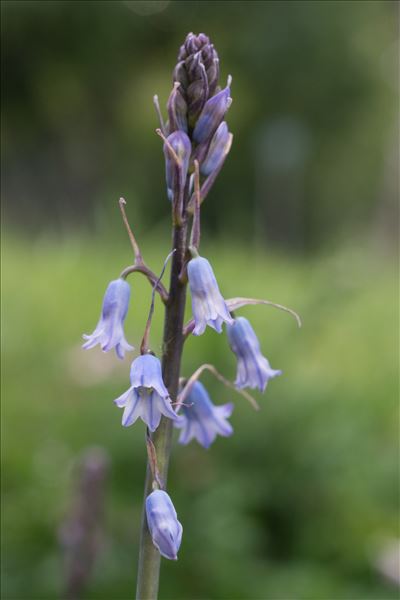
(196, 142)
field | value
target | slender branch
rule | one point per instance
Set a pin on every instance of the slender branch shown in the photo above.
(195, 234)
(169, 147)
(144, 346)
(207, 367)
(152, 279)
(135, 246)
(152, 460)
(159, 114)
(235, 303)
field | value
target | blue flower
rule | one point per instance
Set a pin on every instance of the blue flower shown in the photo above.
(164, 527)
(208, 306)
(109, 332)
(211, 116)
(253, 369)
(147, 398)
(201, 420)
(219, 148)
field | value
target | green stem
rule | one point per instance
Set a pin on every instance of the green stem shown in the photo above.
(149, 557)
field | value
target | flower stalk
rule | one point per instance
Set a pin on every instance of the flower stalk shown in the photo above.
(149, 556)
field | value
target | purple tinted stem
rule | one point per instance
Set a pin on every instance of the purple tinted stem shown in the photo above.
(149, 557)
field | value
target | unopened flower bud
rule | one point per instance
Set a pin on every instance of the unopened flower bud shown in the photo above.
(177, 111)
(164, 527)
(219, 148)
(176, 175)
(197, 71)
(212, 115)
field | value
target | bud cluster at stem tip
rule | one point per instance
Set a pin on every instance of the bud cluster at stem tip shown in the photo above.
(196, 112)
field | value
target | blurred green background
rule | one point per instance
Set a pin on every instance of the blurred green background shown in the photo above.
(302, 502)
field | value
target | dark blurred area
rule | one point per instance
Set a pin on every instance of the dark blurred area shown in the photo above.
(301, 503)
(313, 117)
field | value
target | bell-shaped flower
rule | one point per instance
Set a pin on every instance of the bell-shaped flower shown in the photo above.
(253, 369)
(211, 116)
(201, 419)
(208, 305)
(218, 150)
(147, 398)
(176, 175)
(109, 332)
(164, 527)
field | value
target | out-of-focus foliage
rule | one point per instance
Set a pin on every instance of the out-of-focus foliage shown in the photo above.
(298, 503)
(313, 114)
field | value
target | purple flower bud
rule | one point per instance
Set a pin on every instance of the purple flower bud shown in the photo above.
(197, 71)
(212, 115)
(147, 398)
(219, 148)
(208, 306)
(201, 420)
(177, 111)
(176, 176)
(253, 369)
(164, 527)
(109, 331)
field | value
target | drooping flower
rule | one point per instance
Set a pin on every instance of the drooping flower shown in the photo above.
(208, 305)
(212, 115)
(253, 369)
(164, 527)
(176, 176)
(147, 398)
(219, 148)
(109, 331)
(201, 419)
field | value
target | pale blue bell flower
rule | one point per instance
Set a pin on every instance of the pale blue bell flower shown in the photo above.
(253, 369)
(164, 527)
(109, 332)
(201, 419)
(147, 398)
(208, 305)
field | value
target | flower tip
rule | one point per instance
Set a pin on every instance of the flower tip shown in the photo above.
(229, 81)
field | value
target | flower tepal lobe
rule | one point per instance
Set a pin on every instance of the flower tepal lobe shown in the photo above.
(164, 527)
